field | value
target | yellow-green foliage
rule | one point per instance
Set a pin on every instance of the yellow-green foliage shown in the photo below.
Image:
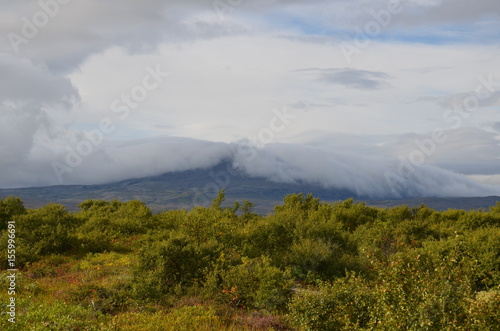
(44, 231)
(309, 265)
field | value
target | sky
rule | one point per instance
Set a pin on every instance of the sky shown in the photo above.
(385, 98)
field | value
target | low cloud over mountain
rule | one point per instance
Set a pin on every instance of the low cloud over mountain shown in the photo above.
(368, 174)
(385, 99)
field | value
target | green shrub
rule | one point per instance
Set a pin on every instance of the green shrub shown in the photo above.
(44, 231)
(172, 264)
(9, 207)
(485, 310)
(353, 214)
(206, 224)
(344, 305)
(123, 218)
(417, 291)
(309, 256)
(96, 235)
(312, 259)
(169, 220)
(254, 283)
(271, 236)
(132, 217)
(341, 266)
(298, 203)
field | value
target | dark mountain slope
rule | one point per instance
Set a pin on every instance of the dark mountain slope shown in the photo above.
(185, 189)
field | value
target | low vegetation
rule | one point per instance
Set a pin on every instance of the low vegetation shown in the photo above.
(309, 265)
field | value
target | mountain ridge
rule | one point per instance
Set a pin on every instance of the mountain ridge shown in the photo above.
(197, 187)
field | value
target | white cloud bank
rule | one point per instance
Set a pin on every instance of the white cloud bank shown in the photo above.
(373, 175)
(355, 121)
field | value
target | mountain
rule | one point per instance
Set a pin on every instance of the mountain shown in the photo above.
(185, 189)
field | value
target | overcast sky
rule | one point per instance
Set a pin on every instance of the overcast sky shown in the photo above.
(381, 97)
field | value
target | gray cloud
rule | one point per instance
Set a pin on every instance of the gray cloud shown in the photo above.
(307, 105)
(465, 150)
(82, 28)
(34, 80)
(350, 78)
(26, 92)
(85, 27)
(366, 175)
(449, 101)
(416, 13)
(111, 161)
(22, 81)
(455, 11)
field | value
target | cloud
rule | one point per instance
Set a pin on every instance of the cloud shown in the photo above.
(229, 70)
(365, 175)
(369, 176)
(486, 179)
(451, 101)
(24, 82)
(112, 161)
(350, 78)
(438, 14)
(307, 105)
(28, 93)
(446, 11)
(466, 150)
(82, 28)
(85, 27)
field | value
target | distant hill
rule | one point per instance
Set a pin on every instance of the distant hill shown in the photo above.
(440, 203)
(185, 189)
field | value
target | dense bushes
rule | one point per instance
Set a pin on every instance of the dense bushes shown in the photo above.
(171, 266)
(253, 283)
(317, 266)
(346, 304)
(10, 207)
(44, 231)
